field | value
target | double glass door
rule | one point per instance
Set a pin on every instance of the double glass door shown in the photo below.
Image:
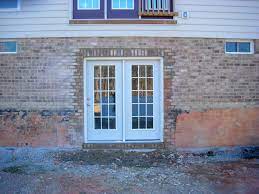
(123, 100)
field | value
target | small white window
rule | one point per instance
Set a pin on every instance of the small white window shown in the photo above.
(88, 4)
(8, 47)
(122, 4)
(9, 5)
(239, 47)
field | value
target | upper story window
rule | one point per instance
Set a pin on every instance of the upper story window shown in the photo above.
(8, 47)
(122, 9)
(239, 47)
(88, 4)
(9, 4)
(122, 4)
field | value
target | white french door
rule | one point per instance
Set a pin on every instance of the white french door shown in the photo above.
(123, 100)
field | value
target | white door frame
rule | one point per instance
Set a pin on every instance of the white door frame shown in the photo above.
(161, 91)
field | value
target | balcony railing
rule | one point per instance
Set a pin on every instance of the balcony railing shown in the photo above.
(156, 8)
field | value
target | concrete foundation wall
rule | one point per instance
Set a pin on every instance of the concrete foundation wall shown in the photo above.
(222, 127)
(41, 87)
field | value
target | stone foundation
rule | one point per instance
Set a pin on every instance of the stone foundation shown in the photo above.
(40, 128)
(45, 79)
(218, 128)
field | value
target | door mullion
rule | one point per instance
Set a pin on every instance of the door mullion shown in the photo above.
(123, 103)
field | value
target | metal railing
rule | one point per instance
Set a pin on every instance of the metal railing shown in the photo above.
(158, 8)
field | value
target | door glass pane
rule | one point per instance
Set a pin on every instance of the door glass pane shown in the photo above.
(149, 83)
(104, 84)
(149, 97)
(149, 71)
(105, 123)
(135, 84)
(104, 97)
(142, 97)
(150, 110)
(97, 71)
(112, 110)
(142, 84)
(142, 122)
(97, 123)
(142, 109)
(135, 123)
(134, 96)
(149, 122)
(112, 97)
(112, 71)
(104, 71)
(97, 84)
(104, 110)
(97, 110)
(134, 71)
(134, 109)
(97, 97)
(142, 72)
(112, 123)
(111, 84)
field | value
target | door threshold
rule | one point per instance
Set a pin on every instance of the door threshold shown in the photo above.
(124, 145)
(124, 142)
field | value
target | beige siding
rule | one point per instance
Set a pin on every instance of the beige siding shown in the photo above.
(208, 18)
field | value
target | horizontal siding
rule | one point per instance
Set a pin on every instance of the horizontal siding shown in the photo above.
(210, 19)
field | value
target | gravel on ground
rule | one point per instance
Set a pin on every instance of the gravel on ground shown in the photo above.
(35, 170)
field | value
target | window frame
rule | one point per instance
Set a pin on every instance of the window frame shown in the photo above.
(240, 41)
(78, 8)
(5, 41)
(133, 6)
(12, 9)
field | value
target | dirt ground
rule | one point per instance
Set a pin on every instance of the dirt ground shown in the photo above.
(76, 171)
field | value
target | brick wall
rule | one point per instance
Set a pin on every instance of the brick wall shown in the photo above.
(41, 87)
(257, 46)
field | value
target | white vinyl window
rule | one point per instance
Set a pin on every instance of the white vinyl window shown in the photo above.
(239, 47)
(122, 4)
(88, 4)
(7, 47)
(9, 5)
